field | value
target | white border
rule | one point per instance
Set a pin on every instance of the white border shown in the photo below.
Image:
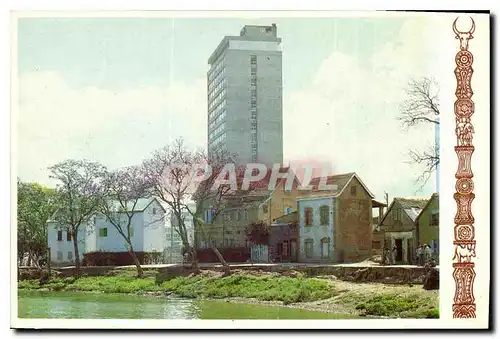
(348, 324)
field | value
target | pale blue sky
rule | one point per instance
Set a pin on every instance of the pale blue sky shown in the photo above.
(122, 52)
(104, 89)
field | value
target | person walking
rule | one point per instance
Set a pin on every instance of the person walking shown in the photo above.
(427, 253)
(420, 255)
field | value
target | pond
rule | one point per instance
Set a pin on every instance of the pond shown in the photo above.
(72, 305)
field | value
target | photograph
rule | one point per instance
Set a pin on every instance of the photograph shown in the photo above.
(241, 165)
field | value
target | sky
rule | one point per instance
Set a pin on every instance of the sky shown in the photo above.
(115, 89)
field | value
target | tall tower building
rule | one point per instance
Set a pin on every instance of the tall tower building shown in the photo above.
(245, 105)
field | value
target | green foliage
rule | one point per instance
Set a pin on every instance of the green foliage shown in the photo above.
(286, 289)
(432, 313)
(388, 304)
(35, 205)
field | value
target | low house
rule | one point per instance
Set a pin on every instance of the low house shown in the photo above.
(335, 225)
(227, 230)
(99, 235)
(398, 225)
(61, 245)
(278, 244)
(427, 225)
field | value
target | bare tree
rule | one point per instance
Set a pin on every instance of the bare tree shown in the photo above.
(179, 176)
(79, 194)
(124, 190)
(422, 107)
(171, 178)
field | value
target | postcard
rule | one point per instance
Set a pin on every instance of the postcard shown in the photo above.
(225, 169)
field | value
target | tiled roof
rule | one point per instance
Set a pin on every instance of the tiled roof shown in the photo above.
(414, 202)
(339, 180)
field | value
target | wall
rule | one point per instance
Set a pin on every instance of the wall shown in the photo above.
(114, 241)
(354, 234)
(428, 233)
(64, 246)
(154, 228)
(269, 106)
(316, 232)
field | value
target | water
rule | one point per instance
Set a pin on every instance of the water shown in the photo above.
(72, 305)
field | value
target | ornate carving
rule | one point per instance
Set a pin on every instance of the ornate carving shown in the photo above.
(465, 246)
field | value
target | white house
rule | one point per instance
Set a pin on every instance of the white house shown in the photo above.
(61, 244)
(147, 230)
(316, 222)
(173, 241)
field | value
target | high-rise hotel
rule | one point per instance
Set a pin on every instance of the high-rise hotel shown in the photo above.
(245, 105)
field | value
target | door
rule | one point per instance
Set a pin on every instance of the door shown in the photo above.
(409, 251)
(293, 250)
(399, 252)
(259, 253)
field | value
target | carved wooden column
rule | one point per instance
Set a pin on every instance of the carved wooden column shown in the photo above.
(464, 243)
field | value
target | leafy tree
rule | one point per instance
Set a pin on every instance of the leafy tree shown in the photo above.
(35, 205)
(422, 107)
(124, 189)
(80, 192)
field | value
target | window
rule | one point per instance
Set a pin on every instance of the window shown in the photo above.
(308, 245)
(353, 190)
(103, 232)
(245, 214)
(59, 235)
(70, 256)
(435, 246)
(154, 210)
(59, 256)
(238, 215)
(264, 208)
(324, 213)
(68, 236)
(308, 216)
(435, 219)
(325, 248)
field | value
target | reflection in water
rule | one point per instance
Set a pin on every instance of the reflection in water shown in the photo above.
(115, 306)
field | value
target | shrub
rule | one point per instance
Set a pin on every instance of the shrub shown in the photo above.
(388, 304)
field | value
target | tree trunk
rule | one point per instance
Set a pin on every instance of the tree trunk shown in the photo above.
(77, 254)
(225, 265)
(137, 264)
(194, 260)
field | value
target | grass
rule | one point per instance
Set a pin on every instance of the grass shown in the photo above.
(364, 299)
(388, 304)
(285, 289)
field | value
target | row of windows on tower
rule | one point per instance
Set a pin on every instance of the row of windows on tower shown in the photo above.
(215, 81)
(217, 119)
(219, 108)
(222, 84)
(217, 99)
(216, 67)
(219, 139)
(216, 131)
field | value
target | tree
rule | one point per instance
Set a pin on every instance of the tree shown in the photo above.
(178, 176)
(80, 192)
(171, 177)
(124, 189)
(422, 107)
(35, 205)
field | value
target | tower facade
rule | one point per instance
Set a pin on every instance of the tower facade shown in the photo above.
(245, 103)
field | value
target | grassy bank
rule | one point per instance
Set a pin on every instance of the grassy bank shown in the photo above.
(310, 293)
